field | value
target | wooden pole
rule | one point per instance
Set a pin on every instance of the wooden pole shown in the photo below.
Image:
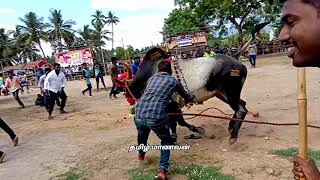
(124, 50)
(104, 63)
(302, 114)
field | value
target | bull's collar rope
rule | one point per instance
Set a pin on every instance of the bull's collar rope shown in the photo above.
(179, 74)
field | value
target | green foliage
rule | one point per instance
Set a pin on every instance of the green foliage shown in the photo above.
(130, 52)
(51, 59)
(33, 30)
(60, 29)
(211, 40)
(290, 152)
(70, 175)
(193, 172)
(120, 53)
(182, 21)
(243, 15)
(23, 43)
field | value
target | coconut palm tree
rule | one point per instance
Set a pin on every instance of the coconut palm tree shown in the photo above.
(7, 45)
(99, 34)
(87, 36)
(99, 20)
(113, 20)
(60, 29)
(33, 30)
(24, 51)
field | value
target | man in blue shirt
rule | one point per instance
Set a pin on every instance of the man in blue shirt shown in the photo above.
(98, 74)
(218, 50)
(135, 65)
(86, 76)
(151, 112)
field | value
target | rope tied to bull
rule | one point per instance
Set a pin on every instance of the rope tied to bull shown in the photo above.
(179, 72)
(224, 118)
(181, 79)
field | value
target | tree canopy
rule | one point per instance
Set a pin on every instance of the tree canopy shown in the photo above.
(182, 21)
(25, 42)
(242, 14)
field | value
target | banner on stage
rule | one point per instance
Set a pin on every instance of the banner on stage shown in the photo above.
(185, 40)
(76, 57)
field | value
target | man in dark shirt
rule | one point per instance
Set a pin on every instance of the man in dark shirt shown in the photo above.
(98, 74)
(151, 112)
(197, 53)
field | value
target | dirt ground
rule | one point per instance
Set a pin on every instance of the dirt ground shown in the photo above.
(96, 133)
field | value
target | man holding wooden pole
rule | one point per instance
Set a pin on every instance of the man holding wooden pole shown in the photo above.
(301, 32)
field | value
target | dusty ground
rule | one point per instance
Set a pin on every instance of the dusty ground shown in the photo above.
(96, 133)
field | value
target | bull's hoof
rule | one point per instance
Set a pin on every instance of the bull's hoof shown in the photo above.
(232, 140)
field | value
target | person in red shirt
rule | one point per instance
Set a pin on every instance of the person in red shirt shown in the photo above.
(13, 84)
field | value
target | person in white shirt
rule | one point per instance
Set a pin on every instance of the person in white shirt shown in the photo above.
(253, 54)
(54, 85)
(41, 80)
(43, 92)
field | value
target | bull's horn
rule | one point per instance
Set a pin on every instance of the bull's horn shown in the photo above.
(256, 29)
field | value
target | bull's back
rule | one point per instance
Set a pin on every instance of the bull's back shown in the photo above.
(197, 72)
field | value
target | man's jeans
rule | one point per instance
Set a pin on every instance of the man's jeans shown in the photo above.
(52, 98)
(161, 129)
(102, 80)
(252, 59)
(16, 97)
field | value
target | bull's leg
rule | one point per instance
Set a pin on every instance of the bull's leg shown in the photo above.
(192, 128)
(173, 127)
(234, 107)
(234, 126)
(173, 107)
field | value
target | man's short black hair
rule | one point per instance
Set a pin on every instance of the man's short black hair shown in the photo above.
(164, 66)
(10, 73)
(47, 70)
(56, 64)
(114, 59)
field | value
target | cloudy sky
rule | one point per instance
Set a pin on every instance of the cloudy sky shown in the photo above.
(140, 20)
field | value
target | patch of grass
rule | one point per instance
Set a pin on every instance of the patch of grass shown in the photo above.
(142, 173)
(70, 175)
(290, 152)
(193, 172)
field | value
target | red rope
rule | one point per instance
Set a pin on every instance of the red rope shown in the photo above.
(209, 109)
(246, 121)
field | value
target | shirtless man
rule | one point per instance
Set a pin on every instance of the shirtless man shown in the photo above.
(301, 32)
